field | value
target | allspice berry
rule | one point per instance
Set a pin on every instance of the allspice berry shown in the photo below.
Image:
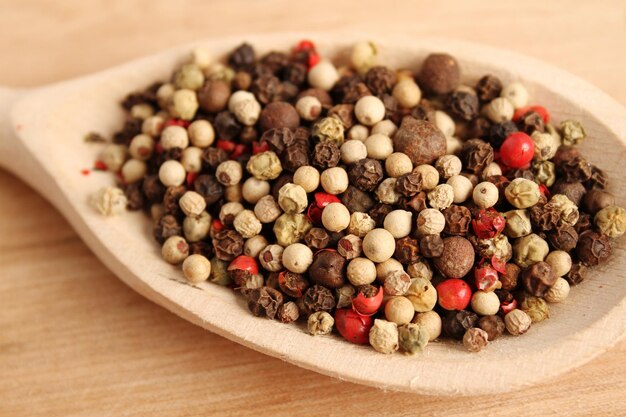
(593, 248)
(421, 140)
(327, 269)
(440, 74)
(279, 114)
(457, 257)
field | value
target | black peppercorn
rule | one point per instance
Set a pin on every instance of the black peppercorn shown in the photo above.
(409, 184)
(278, 139)
(295, 156)
(431, 246)
(201, 248)
(493, 325)
(380, 80)
(366, 174)
(455, 323)
(476, 155)
(538, 278)
(576, 169)
(577, 273)
(357, 200)
(208, 187)
(379, 212)
(563, 238)
(530, 122)
(266, 88)
(458, 220)
(326, 155)
(488, 87)
(345, 114)
(227, 244)
(153, 189)
(165, 227)
(134, 196)
(479, 128)
(264, 302)
(242, 58)
(226, 125)
(407, 251)
(317, 238)
(463, 105)
(328, 269)
(212, 157)
(598, 180)
(295, 73)
(500, 131)
(593, 248)
(171, 198)
(292, 284)
(318, 298)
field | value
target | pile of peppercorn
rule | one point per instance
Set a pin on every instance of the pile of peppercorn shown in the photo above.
(394, 206)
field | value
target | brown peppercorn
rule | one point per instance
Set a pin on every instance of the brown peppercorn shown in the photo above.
(583, 224)
(488, 87)
(510, 278)
(295, 156)
(439, 74)
(319, 94)
(212, 157)
(345, 114)
(592, 202)
(292, 284)
(538, 278)
(317, 238)
(226, 125)
(357, 200)
(153, 189)
(380, 80)
(421, 140)
(458, 220)
(530, 122)
(165, 227)
(476, 155)
(264, 302)
(409, 184)
(134, 196)
(417, 203)
(366, 174)
(493, 325)
(294, 73)
(201, 248)
(213, 96)
(242, 57)
(563, 238)
(455, 323)
(318, 298)
(475, 339)
(242, 81)
(279, 114)
(379, 212)
(431, 246)
(131, 129)
(544, 217)
(425, 110)
(457, 257)
(278, 139)
(599, 179)
(572, 190)
(265, 88)
(500, 131)
(208, 187)
(576, 274)
(325, 155)
(171, 198)
(564, 154)
(593, 248)
(328, 269)
(407, 251)
(463, 104)
(576, 169)
(227, 244)
(478, 128)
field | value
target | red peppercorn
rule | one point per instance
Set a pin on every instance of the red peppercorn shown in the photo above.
(488, 223)
(542, 111)
(158, 148)
(99, 166)
(365, 305)
(354, 327)
(486, 277)
(217, 226)
(545, 191)
(314, 59)
(176, 122)
(260, 147)
(454, 294)
(517, 150)
(314, 212)
(498, 264)
(508, 306)
(239, 150)
(244, 263)
(305, 45)
(226, 145)
(191, 177)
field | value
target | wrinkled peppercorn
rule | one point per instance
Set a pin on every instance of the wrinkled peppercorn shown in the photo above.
(328, 269)
(345, 114)
(212, 157)
(407, 251)
(577, 273)
(463, 105)
(165, 227)
(278, 139)
(292, 284)
(574, 169)
(317, 238)
(500, 131)
(134, 196)
(544, 217)
(379, 212)
(431, 246)
(380, 80)
(201, 248)
(131, 129)
(417, 203)
(526, 174)
(357, 200)
(455, 323)
(478, 128)
(226, 125)
(243, 57)
(208, 187)
(538, 278)
(598, 180)
(593, 248)
(458, 220)
(227, 244)
(318, 298)
(583, 224)
(488, 87)
(295, 156)
(264, 302)
(563, 238)
(572, 190)
(171, 198)
(531, 121)
(266, 88)
(325, 155)
(409, 184)
(493, 325)
(476, 155)
(153, 189)
(295, 73)
(366, 174)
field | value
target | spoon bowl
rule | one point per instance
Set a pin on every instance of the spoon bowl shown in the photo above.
(41, 142)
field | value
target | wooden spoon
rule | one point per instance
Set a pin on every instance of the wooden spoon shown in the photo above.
(42, 142)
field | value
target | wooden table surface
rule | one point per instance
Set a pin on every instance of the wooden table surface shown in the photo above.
(76, 341)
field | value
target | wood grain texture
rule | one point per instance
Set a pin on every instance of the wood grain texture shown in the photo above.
(94, 354)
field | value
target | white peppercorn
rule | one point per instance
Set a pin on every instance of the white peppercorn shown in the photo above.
(441, 197)
(309, 108)
(384, 127)
(267, 209)
(499, 110)
(379, 245)
(517, 223)
(379, 146)
(383, 269)
(229, 173)
(335, 217)
(517, 322)
(196, 268)
(399, 310)
(141, 111)
(196, 228)
(184, 104)
(485, 194)
(363, 56)
(245, 107)
(271, 258)
(360, 224)
(229, 211)
(448, 166)
(453, 145)
(462, 188)
(297, 258)
(350, 246)
(320, 323)
(253, 246)
(358, 132)
(189, 76)
(396, 283)
(361, 271)
(407, 93)
(334, 180)
(430, 222)
(522, 193)
(386, 191)
(398, 223)
(174, 137)
(191, 159)
(174, 250)
(264, 166)
(192, 203)
(431, 321)
(492, 169)
(324, 75)
(114, 156)
(201, 133)
(560, 262)
(254, 189)
(109, 201)
(444, 123)
(383, 336)
(516, 93)
(398, 164)
(485, 303)
(353, 151)
(141, 147)
(172, 173)
(133, 170)
(200, 57)
(558, 292)
(292, 198)
(247, 224)
(307, 177)
(430, 176)
(475, 339)
(232, 193)
(164, 94)
(422, 295)
(369, 110)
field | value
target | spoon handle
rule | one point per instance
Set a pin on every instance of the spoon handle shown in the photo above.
(12, 151)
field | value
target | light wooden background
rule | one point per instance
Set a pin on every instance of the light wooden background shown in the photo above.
(75, 341)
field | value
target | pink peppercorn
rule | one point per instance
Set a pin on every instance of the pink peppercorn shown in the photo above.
(454, 294)
(517, 150)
